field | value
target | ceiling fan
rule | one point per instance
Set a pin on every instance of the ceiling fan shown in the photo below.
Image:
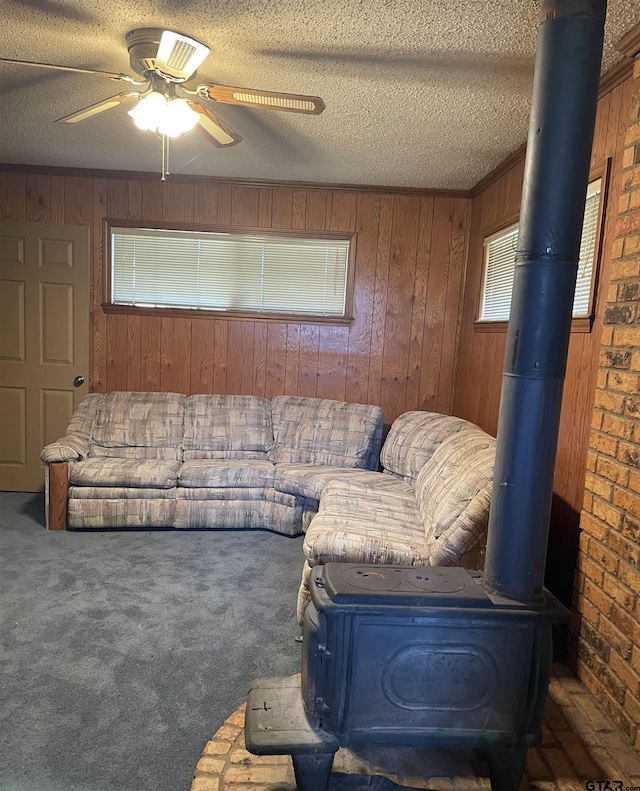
(166, 100)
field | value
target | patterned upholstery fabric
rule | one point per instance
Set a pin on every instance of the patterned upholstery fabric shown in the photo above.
(361, 522)
(222, 423)
(276, 511)
(283, 512)
(162, 459)
(222, 493)
(137, 473)
(309, 480)
(139, 426)
(454, 493)
(119, 493)
(121, 513)
(412, 440)
(75, 443)
(319, 431)
(437, 515)
(309, 510)
(221, 455)
(233, 474)
(219, 514)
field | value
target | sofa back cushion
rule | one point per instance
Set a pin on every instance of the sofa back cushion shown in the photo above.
(413, 439)
(83, 418)
(139, 426)
(321, 431)
(453, 491)
(227, 427)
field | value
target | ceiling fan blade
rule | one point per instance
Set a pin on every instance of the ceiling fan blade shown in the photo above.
(269, 100)
(99, 107)
(111, 74)
(217, 132)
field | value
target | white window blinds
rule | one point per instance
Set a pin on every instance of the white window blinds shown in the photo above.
(498, 277)
(581, 306)
(500, 250)
(228, 271)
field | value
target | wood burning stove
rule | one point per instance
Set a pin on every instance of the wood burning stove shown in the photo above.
(395, 655)
(408, 656)
(442, 657)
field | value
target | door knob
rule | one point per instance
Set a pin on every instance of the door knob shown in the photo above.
(78, 381)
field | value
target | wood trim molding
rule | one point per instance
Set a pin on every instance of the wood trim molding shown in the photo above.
(58, 493)
(294, 233)
(188, 313)
(629, 44)
(615, 76)
(580, 324)
(234, 315)
(513, 159)
(46, 170)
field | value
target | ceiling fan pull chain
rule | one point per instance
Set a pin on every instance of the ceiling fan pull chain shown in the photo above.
(165, 157)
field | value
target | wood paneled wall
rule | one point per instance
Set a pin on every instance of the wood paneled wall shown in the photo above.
(481, 354)
(412, 332)
(399, 351)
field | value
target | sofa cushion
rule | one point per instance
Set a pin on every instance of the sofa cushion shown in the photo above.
(309, 480)
(120, 493)
(233, 474)
(412, 440)
(137, 473)
(222, 493)
(362, 522)
(453, 491)
(227, 426)
(321, 431)
(139, 426)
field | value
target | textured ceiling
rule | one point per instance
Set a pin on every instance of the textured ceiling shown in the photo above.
(430, 94)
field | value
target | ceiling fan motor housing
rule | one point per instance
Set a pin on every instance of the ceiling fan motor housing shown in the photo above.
(142, 45)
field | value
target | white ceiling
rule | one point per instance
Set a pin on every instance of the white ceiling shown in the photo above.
(421, 94)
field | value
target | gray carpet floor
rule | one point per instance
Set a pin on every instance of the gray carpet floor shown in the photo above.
(121, 653)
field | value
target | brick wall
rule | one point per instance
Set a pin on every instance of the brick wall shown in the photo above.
(605, 628)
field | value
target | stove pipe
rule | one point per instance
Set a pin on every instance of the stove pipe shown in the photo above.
(565, 94)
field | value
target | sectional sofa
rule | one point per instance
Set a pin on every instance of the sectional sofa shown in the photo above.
(143, 460)
(293, 465)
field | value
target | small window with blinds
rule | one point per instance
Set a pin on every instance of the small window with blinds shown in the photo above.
(500, 251)
(231, 272)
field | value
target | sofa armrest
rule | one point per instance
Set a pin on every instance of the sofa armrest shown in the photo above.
(68, 448)
(74, 445)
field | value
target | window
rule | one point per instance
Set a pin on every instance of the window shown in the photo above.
(499, 255)
(234, 272)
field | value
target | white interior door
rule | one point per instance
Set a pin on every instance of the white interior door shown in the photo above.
(44, 342)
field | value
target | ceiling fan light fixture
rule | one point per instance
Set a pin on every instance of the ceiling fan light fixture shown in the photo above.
(179, 56)
(150, 111)
(178, 118)
(170, 117)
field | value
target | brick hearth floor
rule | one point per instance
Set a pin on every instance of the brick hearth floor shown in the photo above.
(579, 744)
